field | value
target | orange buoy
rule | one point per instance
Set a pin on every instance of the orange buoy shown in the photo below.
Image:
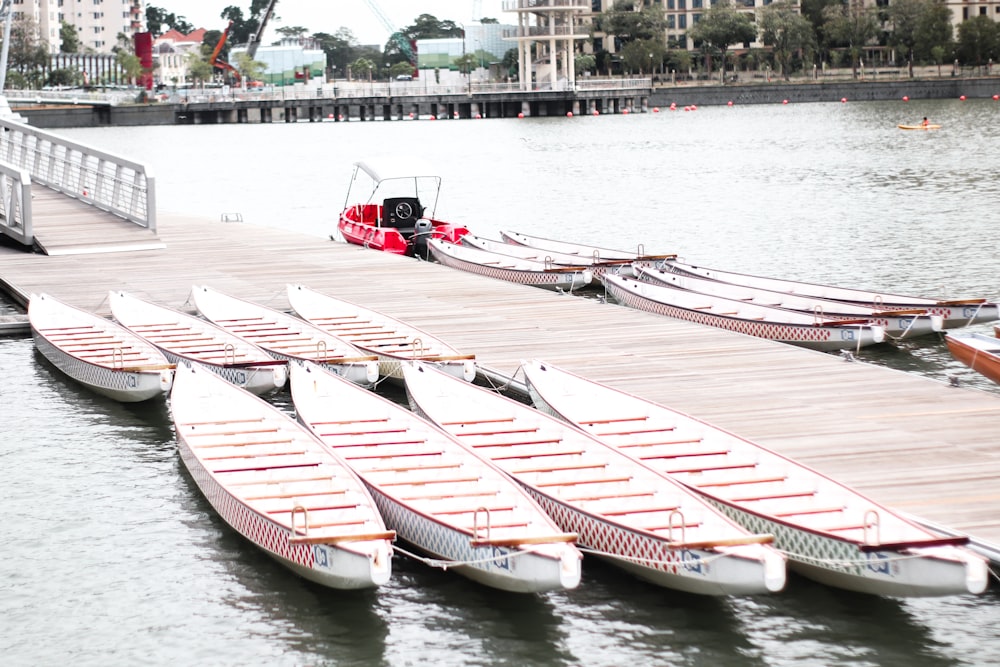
(569, 114)
(656, 109)
(478, 116)
(843, 99)
(596, 112)
(961, 97)
(784, 101)
(996, 97)
(520, 115)
(411, 115)
(729, 103)
(329, 115)
(625, 111)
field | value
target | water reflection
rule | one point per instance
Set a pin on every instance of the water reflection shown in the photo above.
(809, 620)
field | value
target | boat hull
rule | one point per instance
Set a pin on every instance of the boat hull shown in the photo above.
(954, 312)
(650, 557)
(897, 326)
(621, 511)
(980, 353)
(337, 317)
(334, 567)
(822, 338)
(121, 385)
(461, 258)
(796, 504)
(259, 380)
(918, 572)
(509, 569)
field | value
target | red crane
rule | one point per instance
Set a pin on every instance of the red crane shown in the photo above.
(222, 64)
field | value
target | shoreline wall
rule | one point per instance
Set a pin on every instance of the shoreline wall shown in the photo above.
(775, 92)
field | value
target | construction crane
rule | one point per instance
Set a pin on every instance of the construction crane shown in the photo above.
(406, 46)
(214, 61)
(259, 33)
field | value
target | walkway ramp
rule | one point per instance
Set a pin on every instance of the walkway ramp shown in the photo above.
(66, 198)
(65, 225)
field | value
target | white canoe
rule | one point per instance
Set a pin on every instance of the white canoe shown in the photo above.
(285, 336)
(898, 324)
(278, 486)
(829, 532)
(511, 269)
(597, 266)
(785, 326)
(98, 353)
(595, 253)
(623, 512)
(954, 312)
(392, 341)
(434, 492)
(183, 337)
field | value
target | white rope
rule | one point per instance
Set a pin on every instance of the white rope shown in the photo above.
(445, 564)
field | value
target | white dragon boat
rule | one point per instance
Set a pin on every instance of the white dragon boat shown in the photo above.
(593, 253)
(392, 341)
(898, 324)
(785, 326)
(437, 495)
(511, 269)
(278, 486)
(285, 336)
(98, 353)
(183, 337)
(597, 266)
(954, 312)
(623, 511)
(830, 532)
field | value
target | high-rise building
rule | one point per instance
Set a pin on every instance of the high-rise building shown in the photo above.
(98, 22)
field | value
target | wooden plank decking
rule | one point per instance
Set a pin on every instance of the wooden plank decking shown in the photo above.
(918, 445)
(66, 226)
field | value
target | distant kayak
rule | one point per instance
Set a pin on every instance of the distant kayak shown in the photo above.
(919, 127)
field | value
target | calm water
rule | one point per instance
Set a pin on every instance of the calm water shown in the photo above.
(112, 557)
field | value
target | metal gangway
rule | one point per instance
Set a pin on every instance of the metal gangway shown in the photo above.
(94, 198)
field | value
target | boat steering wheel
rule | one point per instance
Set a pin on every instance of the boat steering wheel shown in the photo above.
(404, 210)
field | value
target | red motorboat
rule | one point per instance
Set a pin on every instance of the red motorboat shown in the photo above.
(393, 218)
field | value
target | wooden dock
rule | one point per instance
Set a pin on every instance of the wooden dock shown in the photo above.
(920, 446)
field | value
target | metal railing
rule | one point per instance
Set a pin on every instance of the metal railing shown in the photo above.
(105, 181)
(15, 203)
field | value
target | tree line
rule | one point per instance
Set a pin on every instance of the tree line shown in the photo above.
(797, 35)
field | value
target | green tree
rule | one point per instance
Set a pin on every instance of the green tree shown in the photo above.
(642, 56)
(294, 32)
(585, 62)
(427, 26)
(466, 63)
(853, 25)
(933, 35)
(978, 40)
(160, 21)
(198, 69)
(720, 27)
(511, 62)
(249, 69)
(341, 48)
(904, 17)
(362, 68)
(629, 21)
(64, 77)
(69, 38)
(27, 55)
(786, 30)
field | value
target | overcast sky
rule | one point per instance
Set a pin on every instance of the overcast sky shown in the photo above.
(330, 15)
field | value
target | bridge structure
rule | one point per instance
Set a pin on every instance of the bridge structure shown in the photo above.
(62, 197)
